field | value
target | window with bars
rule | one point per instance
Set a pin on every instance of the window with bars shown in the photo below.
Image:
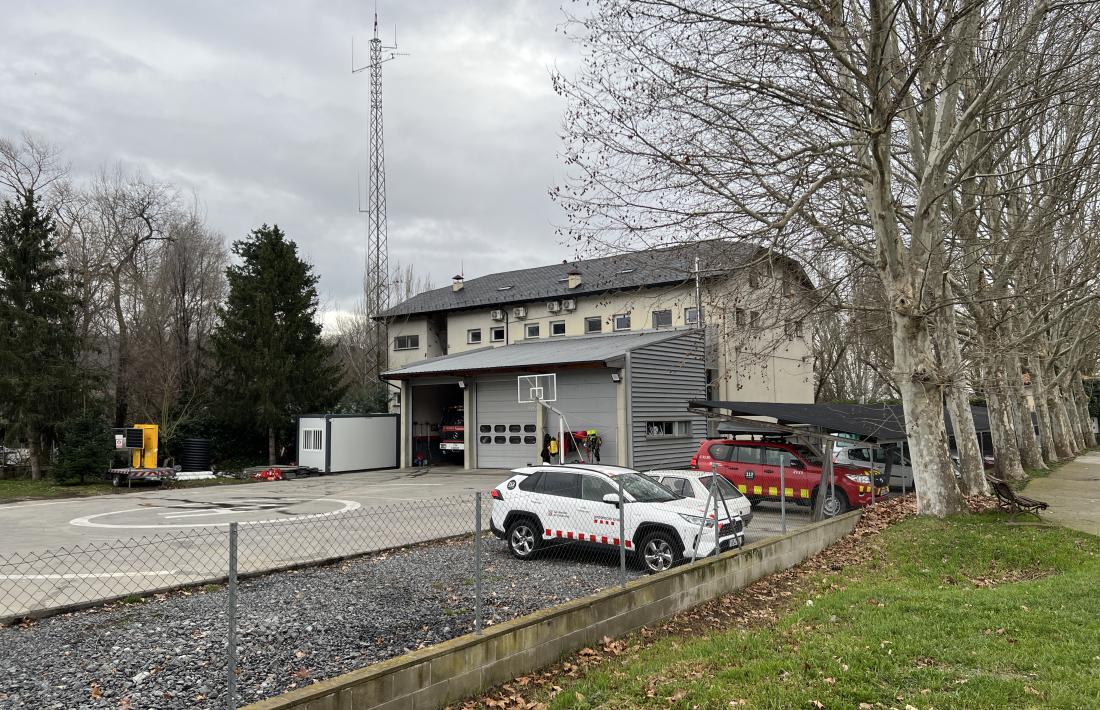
(312, 439)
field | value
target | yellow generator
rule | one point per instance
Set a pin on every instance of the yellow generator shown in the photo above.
(146, 456)
(143, 442)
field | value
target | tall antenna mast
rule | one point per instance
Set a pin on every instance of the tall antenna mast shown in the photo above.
(376, 282)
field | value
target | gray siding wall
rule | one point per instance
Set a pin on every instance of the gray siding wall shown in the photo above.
(663, 378)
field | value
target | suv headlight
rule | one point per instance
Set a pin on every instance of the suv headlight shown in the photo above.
(858, 478)
(697, 520)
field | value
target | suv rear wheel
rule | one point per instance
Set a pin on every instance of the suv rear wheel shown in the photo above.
(835, 502)
(659, 551)
(523, 538)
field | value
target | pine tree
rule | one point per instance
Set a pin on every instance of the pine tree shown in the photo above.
(38, 340)
(271, 358)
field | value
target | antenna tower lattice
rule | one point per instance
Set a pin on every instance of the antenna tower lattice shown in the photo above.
(376, 282)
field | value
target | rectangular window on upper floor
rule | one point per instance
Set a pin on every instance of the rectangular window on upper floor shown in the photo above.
(593, 324)
(621, 321)
(691, 315)
(496, 335)
(406, 342)
(662, 319)
(473, 336)
(531, 330)
(557, 327)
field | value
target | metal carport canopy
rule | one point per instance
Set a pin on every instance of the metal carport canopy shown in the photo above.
(870, 422)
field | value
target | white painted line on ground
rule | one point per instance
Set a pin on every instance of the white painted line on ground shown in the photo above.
(207, 511)
(52, 502)
(93, 575)
(87, 521)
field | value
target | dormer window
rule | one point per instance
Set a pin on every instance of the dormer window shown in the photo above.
(505, 288)
(627, 271)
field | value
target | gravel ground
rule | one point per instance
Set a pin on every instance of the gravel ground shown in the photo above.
(294, 628)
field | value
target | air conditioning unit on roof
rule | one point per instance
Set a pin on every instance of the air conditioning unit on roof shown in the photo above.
(519, 312)
(569, 304)
(497, 314)
(553, 306)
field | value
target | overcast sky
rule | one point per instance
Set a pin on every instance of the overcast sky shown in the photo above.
(253, 105)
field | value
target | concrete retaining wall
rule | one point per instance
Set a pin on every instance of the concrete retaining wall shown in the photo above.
(432, 677)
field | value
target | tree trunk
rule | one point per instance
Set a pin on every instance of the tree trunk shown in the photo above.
(1030, 454)
(958, 404)
(121, 391)
(1063, 439)
(34, 447)
(1042, 409)
(1074, 418)
(1006, 452)
(1083, 411)
(914, 365)
(271, 446)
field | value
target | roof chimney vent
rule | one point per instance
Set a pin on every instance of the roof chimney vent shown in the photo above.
(574, 278)
(457, 283)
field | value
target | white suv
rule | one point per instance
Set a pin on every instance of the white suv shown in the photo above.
(580, 503)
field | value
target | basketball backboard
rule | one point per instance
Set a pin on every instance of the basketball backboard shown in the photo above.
(537, 388)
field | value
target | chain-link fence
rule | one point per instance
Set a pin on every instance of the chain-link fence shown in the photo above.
(289, 601)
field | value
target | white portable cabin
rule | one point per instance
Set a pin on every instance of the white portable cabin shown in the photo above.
(340, 443)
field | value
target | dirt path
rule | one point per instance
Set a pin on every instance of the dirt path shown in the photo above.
(1073, 492)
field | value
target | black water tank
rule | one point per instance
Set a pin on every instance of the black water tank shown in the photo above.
(196, 455)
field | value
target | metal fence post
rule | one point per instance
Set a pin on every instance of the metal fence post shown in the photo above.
(231, 646)
(477, 562)
(782, 495)
(717, 518)
(622, 535)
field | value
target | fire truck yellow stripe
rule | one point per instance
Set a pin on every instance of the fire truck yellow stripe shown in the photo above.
(789, 492)
(757, 490)
(773, 491)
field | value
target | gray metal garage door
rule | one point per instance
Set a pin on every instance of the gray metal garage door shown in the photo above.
(505, 428)
(589, 400)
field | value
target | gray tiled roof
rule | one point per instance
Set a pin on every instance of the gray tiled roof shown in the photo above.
(550, 353)
(653, 267)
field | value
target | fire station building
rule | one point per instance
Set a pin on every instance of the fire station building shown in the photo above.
(631, 339)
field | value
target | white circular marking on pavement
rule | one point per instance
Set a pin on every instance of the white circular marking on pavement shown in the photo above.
(88, 521)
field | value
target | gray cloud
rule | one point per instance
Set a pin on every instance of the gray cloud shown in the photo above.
(253, 106)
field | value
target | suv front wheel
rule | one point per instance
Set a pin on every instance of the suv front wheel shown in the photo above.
(523, 538)
(659, 552)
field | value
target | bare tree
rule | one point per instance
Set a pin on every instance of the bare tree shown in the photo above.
(821, 127)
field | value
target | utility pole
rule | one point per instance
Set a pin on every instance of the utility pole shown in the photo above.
(376, 281)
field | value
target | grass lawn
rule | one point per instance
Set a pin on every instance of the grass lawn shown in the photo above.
(964, 613)
(25, 489)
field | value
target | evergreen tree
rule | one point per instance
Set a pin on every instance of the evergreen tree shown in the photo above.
(272, 361)
(85, 449)
(38, 341)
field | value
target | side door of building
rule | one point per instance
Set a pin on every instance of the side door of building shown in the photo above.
(596, 520)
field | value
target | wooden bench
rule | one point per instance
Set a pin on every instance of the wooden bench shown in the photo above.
(1010, 501)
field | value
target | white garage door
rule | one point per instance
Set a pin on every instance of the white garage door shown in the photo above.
(505, 428)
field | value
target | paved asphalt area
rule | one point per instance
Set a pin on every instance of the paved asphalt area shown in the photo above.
(1073, 492)
(74, 551)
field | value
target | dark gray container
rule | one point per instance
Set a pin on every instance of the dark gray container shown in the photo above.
(196, 455)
